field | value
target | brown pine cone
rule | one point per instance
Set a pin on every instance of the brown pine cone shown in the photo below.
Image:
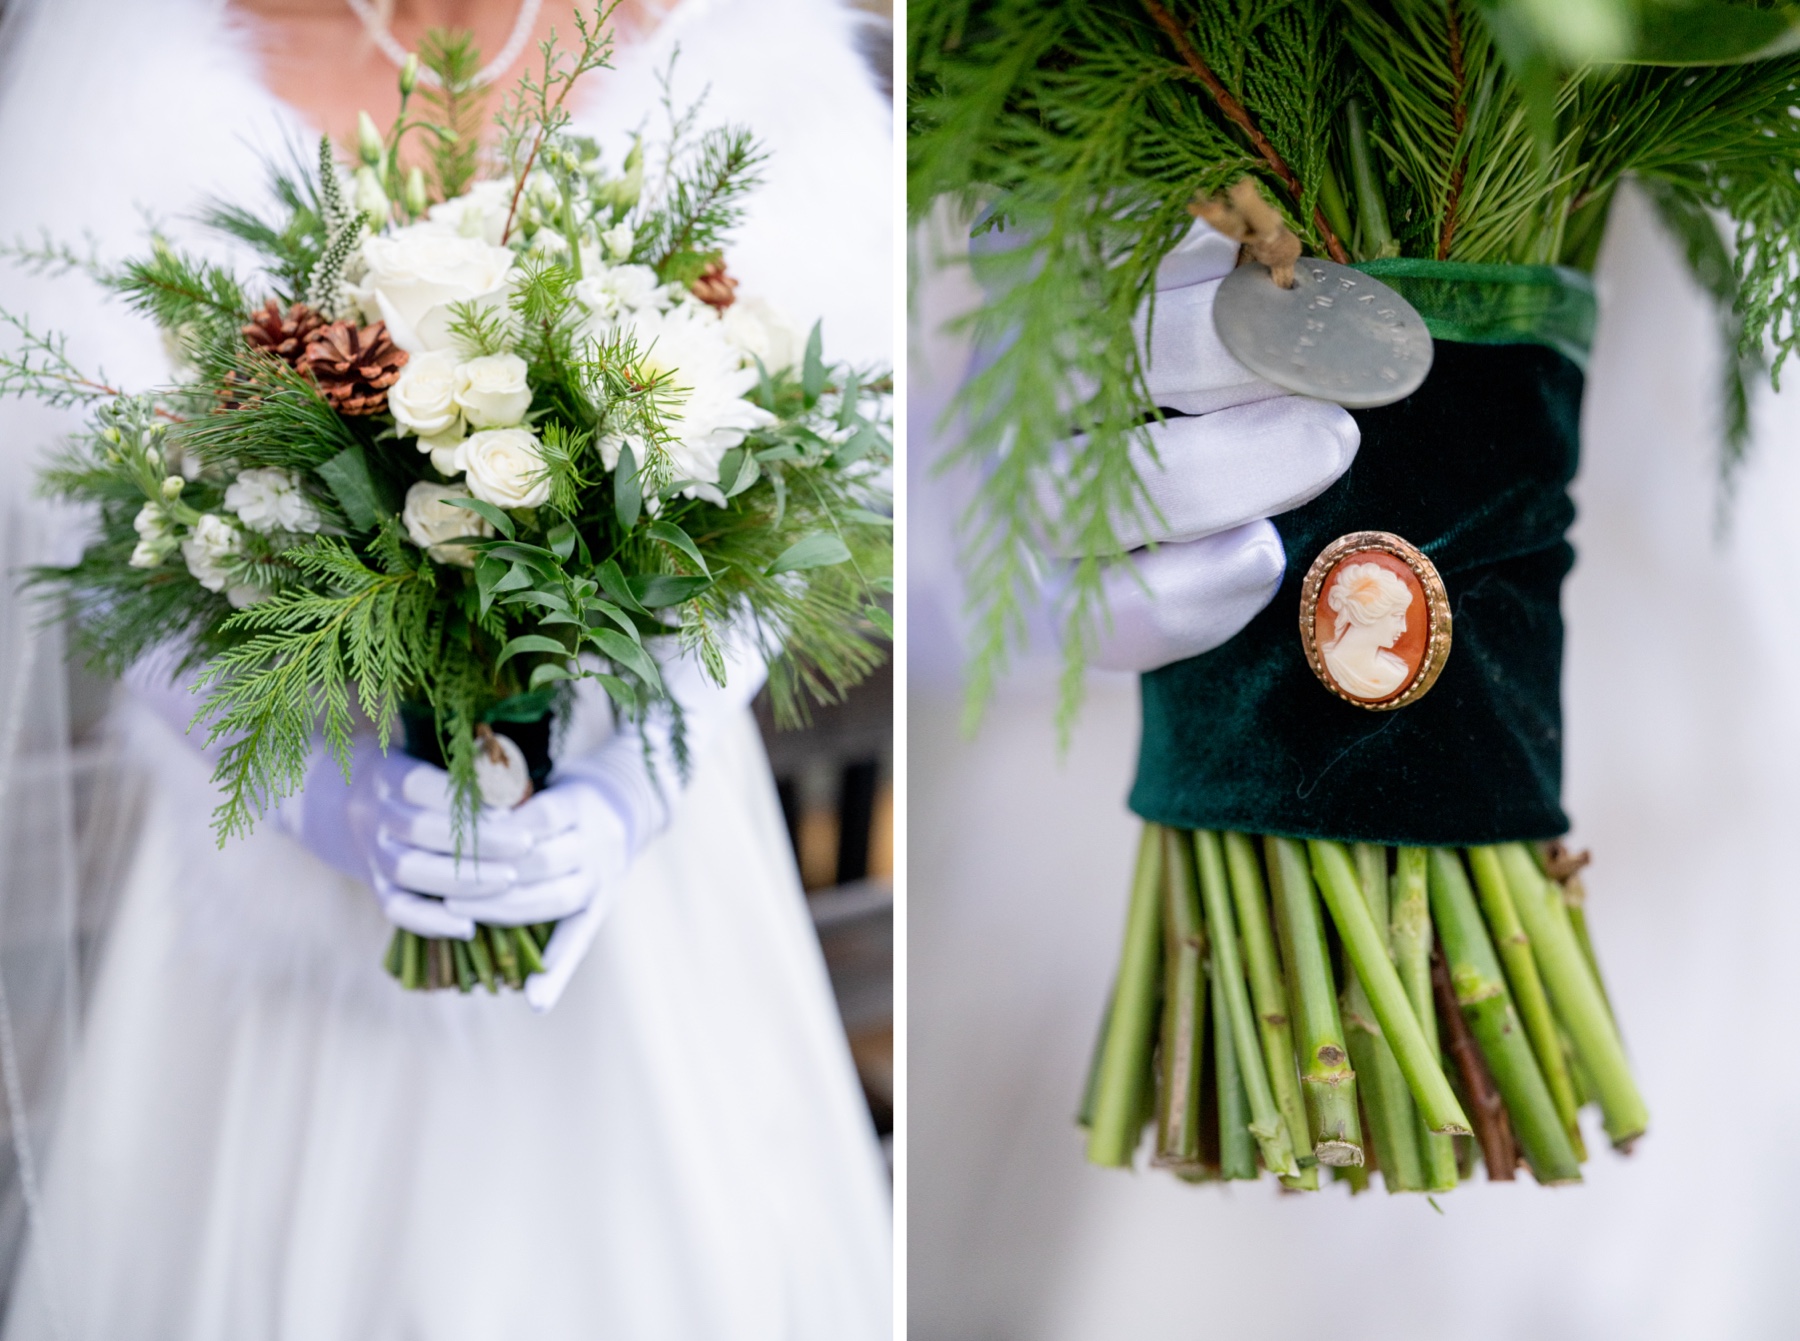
(715, 288)
(283, 334)
(353, 367)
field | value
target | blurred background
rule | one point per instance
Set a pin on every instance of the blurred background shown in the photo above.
(1683, 777)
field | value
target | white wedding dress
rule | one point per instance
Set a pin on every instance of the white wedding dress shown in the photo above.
(264, 1138)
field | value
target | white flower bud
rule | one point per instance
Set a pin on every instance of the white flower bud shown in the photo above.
(409, 74)
(368, 140)
(431, 520)
(618, 241)
(153, 458)
(371, 200)
(172, 487)
(416, 200)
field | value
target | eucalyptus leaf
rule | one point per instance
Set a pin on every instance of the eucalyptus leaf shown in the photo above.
(623, 651)
(612, 581)
(628, 490)
(821, 549)
(549, 672)
(671, 534)
(812, 374)
(1706, 32)
(531, 642)
(660, 590)
(354, 488)
(495, 517)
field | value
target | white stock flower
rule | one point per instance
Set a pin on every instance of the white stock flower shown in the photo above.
(413, 276)
(492, 391)
(267, 499)
(431, 522)
(761, 331)
(708, 414)
(423, 400)
(480, 212)
(153, 545)
(505, 467)
(209, 545)
(621, 289)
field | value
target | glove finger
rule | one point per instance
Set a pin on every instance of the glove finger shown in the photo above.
(1218, 471)
(1186, 366)
(495, 835)
(568, 946)
(1180, 600)
(425, 872)
(527, 905)
(1204, 253)
(554, 856)
(426, 786)
(422, 917)
(552, 811)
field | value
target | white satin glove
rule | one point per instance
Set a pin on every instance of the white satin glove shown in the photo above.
(549, 858)
(1247, 451)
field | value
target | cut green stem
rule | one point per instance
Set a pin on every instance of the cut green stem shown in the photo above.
(1486, 1004)
(1265, 1116)
(1528, 994)
(1409, 938)
(1268, 992)
(1577, 997)
(1325, 1075)
(1237, 1144)
(1387, 1107)
(1499, 1152)
(1366, 946)
(1131, 1030)
(1183, 1009)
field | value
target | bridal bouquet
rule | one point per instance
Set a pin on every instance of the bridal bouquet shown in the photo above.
(473, 432)
(1351, 941)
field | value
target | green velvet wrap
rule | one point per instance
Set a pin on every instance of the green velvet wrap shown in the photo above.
(1473, 469)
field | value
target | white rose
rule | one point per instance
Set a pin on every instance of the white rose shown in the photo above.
(480, 212)
(414, 275)
(431, 522)
(505, 467)
(762, 331)
(492, 391)
(446, 449)
(623, 288)
(208, 546)
(423, 400)
(268, 499)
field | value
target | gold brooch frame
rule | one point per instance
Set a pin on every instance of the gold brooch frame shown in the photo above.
(1437, 612)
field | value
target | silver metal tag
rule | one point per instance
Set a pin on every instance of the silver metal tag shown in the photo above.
(1337, 334)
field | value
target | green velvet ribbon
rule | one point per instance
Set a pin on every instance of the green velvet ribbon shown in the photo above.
(1473, 468)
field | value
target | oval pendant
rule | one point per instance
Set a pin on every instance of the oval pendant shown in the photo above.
(1375, 620)
(1337, 335)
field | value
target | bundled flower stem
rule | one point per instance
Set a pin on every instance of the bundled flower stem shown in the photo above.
(1400, 939)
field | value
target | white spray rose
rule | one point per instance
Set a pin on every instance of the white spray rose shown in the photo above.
(446, 449)
(423, 400)
(505, 467)
(761, 331)
(431, 522)
(492, 391)
(268, 499)
(153, 537)
(480, 212)
(211, 543)
(413, 276)
(622, 289)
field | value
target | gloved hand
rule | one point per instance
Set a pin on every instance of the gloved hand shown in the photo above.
(1245, 451)
(390, 826)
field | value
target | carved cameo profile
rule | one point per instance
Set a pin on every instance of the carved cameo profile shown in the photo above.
(1375, 620)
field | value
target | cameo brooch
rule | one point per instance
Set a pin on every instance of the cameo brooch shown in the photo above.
(1375, 620)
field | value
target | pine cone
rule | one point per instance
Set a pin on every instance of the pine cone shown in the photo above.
(283, 334)
(715, 288)
(353, 367)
